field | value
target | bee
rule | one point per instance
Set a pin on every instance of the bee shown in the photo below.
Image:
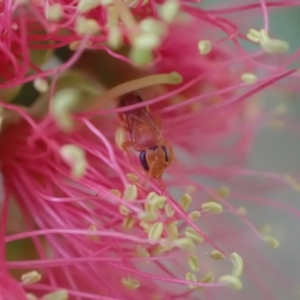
(155, 154)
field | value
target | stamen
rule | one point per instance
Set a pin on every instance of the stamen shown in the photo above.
(169, 10)
(75, 158)
(86, 26)
(185, 243)
(216, 254)
(130, 192)
(249, 78)
(212, 207)
(156, 201)
(204, 47)
(237, 264)
(272, 241)
(232, 281)
(192, 278)
(272, 45)
(54, 12)
(194, 235)
(129, 223)
(31, 277)
(155, 232)
(193, 263)
(57, 295)
(130, 283)
(185, 201)
(120, 137)
(41, 85)
(194, 215)
(169, 210)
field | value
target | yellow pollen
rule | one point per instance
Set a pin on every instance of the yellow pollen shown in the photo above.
(74, 156)
(87, 5)
(147, 41)
(31, 277)
(130, 192)
(185, 243)
(212, 207)
(57, 295)
(249, 78)
(120, 137)
(272, 45)
(185, 201)
(155, 232)
(172, 231)
(216, 254)
(209, 277)
(92, 236)
(86, 26)
(132, 177)
(192, 278)
(169, 10)
(204, 47)
(142, 252)
(272, 241)
(116, 193)
(41, 85)
(54, 12)
(193, 263)
(156, 201)
(169, 210)
(146, 226)
(123, 210)
(194, 235)
(128, 223)
(237, 264)
(232, 281)
(148, 216)
(130, 283)
(254, 36)
(150, 25)
(194, 215)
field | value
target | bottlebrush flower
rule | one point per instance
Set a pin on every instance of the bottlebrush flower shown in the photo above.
(80, 219)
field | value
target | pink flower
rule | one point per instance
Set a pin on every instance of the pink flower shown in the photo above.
(80, 218)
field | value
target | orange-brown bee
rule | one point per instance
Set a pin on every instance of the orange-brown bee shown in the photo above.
(155, 154)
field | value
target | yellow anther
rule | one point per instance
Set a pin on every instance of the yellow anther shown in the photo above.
(146, 41)
(31, 277)
(130, 192)
(148, 216)
(237, 264)
(223, 192)
(54, 12)
(132, 177)
(124, 210)
(194, 215)
(194, 235)
(142, 252)
(212, 207)
(204, 47)
(128, 223)
(232, 281)
(146, 226)
(155, 232)
(272, 45)
(185, 243)
(172, 231)
(249, 78)
(254, 36)
(209, 277)
(86, 26)
(272, 241)
(129, 283)
(87, 5)
(265, 229)
(41, 85)
(92, 236)
(116, 193)
(31, 297)
(151, 25)
(120, 137)
(216, 254)
(156, 201)
(74, 156)
(192, 278)
(185, 201)
(161, 249)
(193, 263)
(169, 10)
(169, 210)
(57, 295)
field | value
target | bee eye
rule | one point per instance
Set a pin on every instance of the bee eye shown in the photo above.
(166, 153)
(143, 160)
